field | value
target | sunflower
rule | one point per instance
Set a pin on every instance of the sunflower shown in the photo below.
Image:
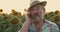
(14, 20)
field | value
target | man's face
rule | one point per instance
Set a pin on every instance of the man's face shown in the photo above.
(36, 12)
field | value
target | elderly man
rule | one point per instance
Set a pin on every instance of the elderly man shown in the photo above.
(35, 21)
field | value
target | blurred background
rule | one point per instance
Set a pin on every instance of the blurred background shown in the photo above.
(12, 13)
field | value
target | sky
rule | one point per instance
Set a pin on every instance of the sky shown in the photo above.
(20, 5)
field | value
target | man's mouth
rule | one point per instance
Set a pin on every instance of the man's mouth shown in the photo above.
(36, 15)
(36, 18)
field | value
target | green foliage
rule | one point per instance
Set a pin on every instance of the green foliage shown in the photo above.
(10, 23)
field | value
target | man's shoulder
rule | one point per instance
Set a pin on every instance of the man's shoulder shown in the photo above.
(50, 23)
(52, 26)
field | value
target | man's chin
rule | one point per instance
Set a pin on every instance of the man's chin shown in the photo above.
(36, 19)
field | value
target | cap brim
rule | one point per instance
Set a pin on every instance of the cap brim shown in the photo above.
(41, 3)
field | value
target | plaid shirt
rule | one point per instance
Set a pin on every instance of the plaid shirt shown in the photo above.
(47, 27)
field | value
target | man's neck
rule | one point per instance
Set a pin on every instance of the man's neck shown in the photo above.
(39, 25)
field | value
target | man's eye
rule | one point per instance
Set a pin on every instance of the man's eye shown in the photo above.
(37, 9)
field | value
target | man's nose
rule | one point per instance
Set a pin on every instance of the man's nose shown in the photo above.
(34, 12)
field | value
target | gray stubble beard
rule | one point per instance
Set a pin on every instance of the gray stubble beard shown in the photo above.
(37, 19)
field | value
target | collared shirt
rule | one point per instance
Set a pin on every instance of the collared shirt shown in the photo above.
(48, 26)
